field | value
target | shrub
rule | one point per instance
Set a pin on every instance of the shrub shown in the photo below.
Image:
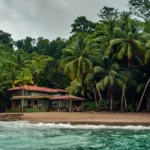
(90, 106)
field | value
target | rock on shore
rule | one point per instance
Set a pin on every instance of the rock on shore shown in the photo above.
(10, 117)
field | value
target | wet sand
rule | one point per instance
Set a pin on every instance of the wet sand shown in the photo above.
(97, 118)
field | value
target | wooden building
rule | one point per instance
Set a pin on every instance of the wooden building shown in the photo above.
(35, 99)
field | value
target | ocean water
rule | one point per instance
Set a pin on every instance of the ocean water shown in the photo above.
(27, 136)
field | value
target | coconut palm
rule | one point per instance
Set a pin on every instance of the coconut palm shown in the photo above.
(76, 88)
(19, 60)
(4, 84)
(104, 34)
(35, 71)
(127, 44)
(24, 78)
(124, 20)
(108, 74)
(144, 68)
(15, 64)
(76, 59)
(94, 89)
(143, 86)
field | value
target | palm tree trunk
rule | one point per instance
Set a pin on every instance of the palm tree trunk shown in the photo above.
(84, 88)
(122, 97)
(95, 97)
(108, 95)
(125, 103)
(22, 97)
(141, 99)
(111, 100)
(99, 93)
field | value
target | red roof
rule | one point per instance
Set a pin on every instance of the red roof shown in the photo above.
(66, 97)
(37, 88)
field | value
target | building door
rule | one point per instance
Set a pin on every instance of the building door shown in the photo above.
(29, 104)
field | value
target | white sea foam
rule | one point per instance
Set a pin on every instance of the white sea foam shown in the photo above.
(26, 124)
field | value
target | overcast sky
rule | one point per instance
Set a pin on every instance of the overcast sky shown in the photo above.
(48, 18)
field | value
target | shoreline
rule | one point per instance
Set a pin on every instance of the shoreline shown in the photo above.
(81, 118)
(97, 123)
(90, 118)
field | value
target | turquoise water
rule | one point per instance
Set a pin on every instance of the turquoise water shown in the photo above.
(27, 136)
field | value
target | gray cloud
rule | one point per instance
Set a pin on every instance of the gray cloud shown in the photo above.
(48, 18)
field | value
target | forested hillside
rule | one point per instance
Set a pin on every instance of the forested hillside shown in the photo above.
(107, 62)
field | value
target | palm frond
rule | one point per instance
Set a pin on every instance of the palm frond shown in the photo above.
(98, 69)
(122, 52)
(118, 33)
(140, 87)
(116, 42)
(147, 57)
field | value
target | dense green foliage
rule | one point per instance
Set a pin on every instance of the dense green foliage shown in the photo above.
(81, 24)
(107, 62)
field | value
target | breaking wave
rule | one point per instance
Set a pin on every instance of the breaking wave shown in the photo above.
(26, 124)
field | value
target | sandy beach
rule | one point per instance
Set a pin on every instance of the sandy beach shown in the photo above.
(97, 118)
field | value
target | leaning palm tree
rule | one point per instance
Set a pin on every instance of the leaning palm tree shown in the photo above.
(146, 75)
(76, 58)
(143, 86)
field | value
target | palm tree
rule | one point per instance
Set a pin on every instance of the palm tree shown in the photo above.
(127, 44)
(4, 84)
(141, 87)
(108, 74)
(146, 75)
(104, 34)
(15, 64)
(24, 78)
(35, 71)
(76, 88)
(124, 20)
(76, 59)
(19, 60)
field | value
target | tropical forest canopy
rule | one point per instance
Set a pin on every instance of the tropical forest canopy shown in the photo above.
(107, 62)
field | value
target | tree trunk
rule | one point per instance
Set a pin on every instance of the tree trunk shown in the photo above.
(125, 103)
(83, 84)
(99, 93)
(122, 97)
(111, 100)
(95, 97)
(108, 95)
(22, 97)
(141, 99)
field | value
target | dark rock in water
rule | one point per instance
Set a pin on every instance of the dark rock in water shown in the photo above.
(10, 117)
